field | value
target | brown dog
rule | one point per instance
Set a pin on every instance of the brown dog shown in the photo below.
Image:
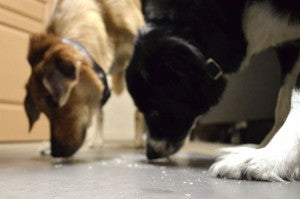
(67, 82)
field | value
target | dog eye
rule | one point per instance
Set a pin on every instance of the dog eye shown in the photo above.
(50, 102)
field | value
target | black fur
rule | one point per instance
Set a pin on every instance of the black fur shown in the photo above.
(287, 54)
(166, 76)
(290, 7)
(168, 82)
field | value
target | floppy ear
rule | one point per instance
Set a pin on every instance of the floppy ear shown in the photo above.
(176, 62)
(184, 58)
(61, 79)
(31, 110)
(38, 45)
(172, 67)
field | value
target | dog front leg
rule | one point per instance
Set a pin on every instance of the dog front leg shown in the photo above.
(279, 160)
(285, 55)
(140, 130)
(45, 148)
(94, 137)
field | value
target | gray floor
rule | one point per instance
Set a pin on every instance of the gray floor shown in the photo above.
(113, 174)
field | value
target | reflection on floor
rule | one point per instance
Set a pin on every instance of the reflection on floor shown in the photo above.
(115, 172)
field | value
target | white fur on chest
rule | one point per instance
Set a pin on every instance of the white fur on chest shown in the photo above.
(264, 28)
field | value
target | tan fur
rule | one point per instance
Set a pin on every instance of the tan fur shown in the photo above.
(140, 129)
(110, 41)
(63, 84)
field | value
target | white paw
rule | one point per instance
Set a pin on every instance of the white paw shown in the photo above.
(140, 141)
(93, 144)
(96, 145)
(45, 149)
(256, 164)
(237, 149)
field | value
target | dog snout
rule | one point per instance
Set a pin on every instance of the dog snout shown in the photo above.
(152, 154)
(156, 149)
(62, 150)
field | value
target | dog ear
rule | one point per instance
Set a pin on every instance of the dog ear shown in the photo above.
(185, 59)
(32, 111)
(60, 81)
(176, 62)
(38, 45)
(172, 67)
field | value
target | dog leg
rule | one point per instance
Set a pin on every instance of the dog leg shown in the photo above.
(94, 137)
(287, 55)
(118, 82)
(45, 149)
(140, 129)
(279, 160)
(281, 112)
(98, 135)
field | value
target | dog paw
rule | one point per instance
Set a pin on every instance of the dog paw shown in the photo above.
(237, 149)
(45, 149)
(94, 144)
(140, 142)
(256, 164)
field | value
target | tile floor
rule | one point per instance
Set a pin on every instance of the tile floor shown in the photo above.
(115, 173)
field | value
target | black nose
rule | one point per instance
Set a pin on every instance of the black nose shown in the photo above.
(152, 154)
(61, 151)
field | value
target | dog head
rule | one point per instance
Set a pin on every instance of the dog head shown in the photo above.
(171, 84)
(64, 87)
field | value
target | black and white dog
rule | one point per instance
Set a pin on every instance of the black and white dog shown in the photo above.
(176, 74)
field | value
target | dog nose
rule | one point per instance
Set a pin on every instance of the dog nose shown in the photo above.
(152, 154)
(58, 150)
(161, 149)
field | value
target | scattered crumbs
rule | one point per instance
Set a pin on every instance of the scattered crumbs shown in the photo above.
(58, 166)
(118, 161)
(184, 182)
(103, 163)
(188, 195)
(191, 183)
(164, 173)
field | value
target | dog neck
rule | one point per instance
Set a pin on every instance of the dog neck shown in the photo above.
(98, 70)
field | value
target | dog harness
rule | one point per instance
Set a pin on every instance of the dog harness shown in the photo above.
(98, 70)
